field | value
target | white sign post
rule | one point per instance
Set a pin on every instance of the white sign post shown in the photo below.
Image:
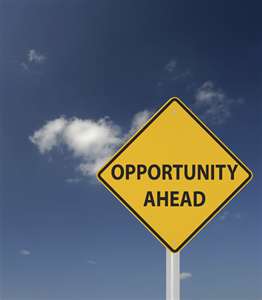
(172, 275)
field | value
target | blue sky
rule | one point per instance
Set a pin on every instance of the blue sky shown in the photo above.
(101, 68)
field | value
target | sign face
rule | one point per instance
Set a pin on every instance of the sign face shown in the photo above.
(174, 175)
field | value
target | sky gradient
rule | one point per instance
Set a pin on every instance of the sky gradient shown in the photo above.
(102, 67)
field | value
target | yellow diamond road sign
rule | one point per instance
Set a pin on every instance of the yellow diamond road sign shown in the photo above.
(174, 174)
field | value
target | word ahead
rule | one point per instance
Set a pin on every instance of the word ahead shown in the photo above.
(174, 175)
(173, 198)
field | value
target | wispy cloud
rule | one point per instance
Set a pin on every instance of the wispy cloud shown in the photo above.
(91, 142)
(33, 57)
(183, 74)
(36, 57)
(171, 66)
(185, 275)
(24, 66)
(224, 216)
(214, 103)
(237, 216)
(227, 215)
(24, 252)
(91, 262)
(138, 120)
(173, 71)
(73, 180)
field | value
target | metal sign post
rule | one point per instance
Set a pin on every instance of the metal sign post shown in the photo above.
(172, 275)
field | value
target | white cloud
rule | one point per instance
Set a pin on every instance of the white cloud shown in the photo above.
(139, 120)
(91, 142)
(171, 65)
(214, 103)
(24, 252)
(50, 135)
(35, 57)
(185, 275)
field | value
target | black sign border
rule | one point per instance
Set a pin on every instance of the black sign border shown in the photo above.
(135, 136)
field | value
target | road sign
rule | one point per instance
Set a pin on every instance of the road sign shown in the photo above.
(174, 174)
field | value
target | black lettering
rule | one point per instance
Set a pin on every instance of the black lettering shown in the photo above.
(167, 171)
(193, 172)
(150, 172)
(113, 172)
(220, 171)
(199, 202)
(149, 199)
(141, 169)
(177, 167)
(162, 198)
(174, 198)
(130, 169)
(202, 172)
(232, 171)
(185, 199)
(212, 171)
